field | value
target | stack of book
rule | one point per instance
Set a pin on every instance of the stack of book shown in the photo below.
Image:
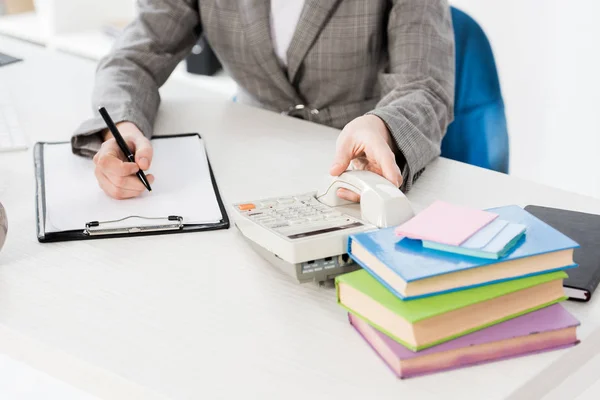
(456, 287)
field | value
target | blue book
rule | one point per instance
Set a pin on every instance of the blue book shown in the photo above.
(412, 271)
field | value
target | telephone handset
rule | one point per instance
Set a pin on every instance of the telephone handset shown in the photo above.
(306, 235)
(381, 203)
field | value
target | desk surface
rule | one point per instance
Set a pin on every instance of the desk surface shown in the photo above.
(202, 315)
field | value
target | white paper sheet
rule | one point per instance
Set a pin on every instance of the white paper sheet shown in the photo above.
(182, 187)
(495, 236)
(482, 238)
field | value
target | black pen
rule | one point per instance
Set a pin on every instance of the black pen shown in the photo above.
(124, 148)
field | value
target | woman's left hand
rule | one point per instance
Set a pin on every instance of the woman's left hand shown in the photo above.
(367, 144)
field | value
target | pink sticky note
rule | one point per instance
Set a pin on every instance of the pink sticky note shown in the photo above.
(445, 223)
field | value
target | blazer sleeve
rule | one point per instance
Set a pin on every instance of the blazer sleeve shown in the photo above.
(141, 60)
(418, 87)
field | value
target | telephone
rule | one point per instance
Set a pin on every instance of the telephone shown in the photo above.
(306, 235)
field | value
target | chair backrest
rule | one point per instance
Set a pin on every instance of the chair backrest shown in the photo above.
(478, 135)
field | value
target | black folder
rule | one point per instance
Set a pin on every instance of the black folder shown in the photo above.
(126, 225)
(583, 228)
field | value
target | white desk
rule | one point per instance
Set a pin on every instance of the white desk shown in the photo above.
(201, 315)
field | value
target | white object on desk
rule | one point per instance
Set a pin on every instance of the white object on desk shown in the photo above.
(183, 187)
(308, 233)
(299, 234)
(312, 226)
(381, 202)
(297, 228)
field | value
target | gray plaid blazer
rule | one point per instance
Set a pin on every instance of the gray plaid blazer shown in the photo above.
(347, 58)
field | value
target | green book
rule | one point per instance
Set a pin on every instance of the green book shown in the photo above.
(422, 323)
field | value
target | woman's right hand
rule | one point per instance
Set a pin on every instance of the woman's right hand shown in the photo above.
(115, 174)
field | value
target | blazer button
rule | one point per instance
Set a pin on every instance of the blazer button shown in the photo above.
(301, 111)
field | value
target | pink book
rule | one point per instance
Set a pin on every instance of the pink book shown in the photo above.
(546, 329)
(445, 223)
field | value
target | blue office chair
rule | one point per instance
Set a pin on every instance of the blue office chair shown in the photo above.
(478, 134)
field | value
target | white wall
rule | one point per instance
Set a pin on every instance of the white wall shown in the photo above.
(548, 57)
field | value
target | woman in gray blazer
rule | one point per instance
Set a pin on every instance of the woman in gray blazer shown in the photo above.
(380, 70)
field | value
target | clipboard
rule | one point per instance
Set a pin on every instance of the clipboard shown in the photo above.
(127, 225)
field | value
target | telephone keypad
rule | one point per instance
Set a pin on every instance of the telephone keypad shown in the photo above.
(295, 215)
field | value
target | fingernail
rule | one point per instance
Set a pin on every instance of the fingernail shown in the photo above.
(145, 162)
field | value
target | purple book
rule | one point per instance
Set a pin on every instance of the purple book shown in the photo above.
(546, 329)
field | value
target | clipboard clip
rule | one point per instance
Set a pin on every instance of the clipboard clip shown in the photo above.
(120, 226)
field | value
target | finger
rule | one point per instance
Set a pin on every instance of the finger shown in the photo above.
(142, 148)
(109, 161)
(343, 155)
(360, 163)
(387, 161)
(348, 195)
(131, 182)
(113, 191)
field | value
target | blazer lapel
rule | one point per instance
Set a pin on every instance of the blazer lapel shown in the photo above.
(255, 18)
(314, 16)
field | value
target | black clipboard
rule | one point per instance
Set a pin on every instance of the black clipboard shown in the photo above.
(163, 225)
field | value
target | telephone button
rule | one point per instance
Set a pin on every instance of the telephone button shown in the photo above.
(304, 198)
(297, 221)
(277, 224)
(246, 207)
(286, 200)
